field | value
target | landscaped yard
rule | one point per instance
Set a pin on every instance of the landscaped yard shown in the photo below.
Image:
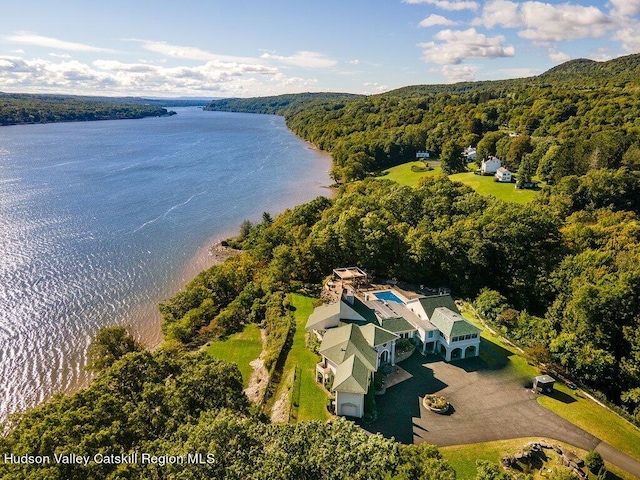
(463, 457)
(240, 348)
(403, 174)
(572, 405)
(312, 398)
(484, 185)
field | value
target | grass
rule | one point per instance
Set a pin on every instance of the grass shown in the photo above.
(485, 185)
(403, 175)
(595, 419)
(583, 412)
(463, 457)
(240, 348)
(312, 398)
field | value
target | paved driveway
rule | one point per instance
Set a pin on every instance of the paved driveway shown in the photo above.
(489, 403)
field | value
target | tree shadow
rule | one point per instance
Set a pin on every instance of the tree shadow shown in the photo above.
(561, 396)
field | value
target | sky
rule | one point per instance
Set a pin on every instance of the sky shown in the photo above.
(244, 48)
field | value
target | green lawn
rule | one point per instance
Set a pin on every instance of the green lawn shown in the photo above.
(312, 397)
(240, 348)
(463, 457)
(485, 185)
(593, 418)
(403, 175)
(585, 413)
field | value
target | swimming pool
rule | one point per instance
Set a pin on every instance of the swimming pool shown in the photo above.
(388, 296)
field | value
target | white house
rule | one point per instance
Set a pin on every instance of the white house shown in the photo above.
(503, 175)
(457, 338)
(490, 165)
(350, 361)
(470, 153)
(359, 334)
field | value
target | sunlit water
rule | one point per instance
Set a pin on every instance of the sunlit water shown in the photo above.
(99, 221)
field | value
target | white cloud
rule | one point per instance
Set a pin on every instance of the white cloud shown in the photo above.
(355, 61)
(628, 36)
(59, 55)
(189, 53)
(545, 22)
(558, 57)
(517, 72)
(458, 45)
(626, 7)
(451, 5)
(459, 73)
(213, 78)
(24, 38)
(302, 59)
(18, 51)
(374, 87)
(433, 19)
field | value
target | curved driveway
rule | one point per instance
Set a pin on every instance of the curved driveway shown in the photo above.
(488, 404)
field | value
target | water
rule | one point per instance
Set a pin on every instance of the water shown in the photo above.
(99, 221)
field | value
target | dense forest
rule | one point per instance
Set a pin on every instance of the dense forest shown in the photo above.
(18, 108)
(579, 116)
(563, 266)
(560, 276)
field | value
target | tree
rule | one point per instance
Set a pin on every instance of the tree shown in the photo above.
(518, 148)
(489, 471)
(110, 344)
(451, 159)
(526, 171)
(487, 146)
(594, 461)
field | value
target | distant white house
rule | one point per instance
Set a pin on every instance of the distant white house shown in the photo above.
(503, 175)
(470, 153)
(490, 165)
(422, 154)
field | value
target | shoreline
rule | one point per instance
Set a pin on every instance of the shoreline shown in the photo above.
(144, 319)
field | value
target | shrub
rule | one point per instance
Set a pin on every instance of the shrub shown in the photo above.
(594, 461)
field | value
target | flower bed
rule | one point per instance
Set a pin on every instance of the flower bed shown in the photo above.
(436, 403)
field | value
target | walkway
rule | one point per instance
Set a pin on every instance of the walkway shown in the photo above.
(488, 404)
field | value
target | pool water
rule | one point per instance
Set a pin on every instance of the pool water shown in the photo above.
(388, 296)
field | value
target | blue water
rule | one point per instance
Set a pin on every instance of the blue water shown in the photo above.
(388, 296)
(99, 221)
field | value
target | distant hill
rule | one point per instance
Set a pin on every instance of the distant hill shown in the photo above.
(280, 104)
(21, 108)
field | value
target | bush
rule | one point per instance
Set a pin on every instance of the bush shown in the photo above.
(594, 462)
(403, 345)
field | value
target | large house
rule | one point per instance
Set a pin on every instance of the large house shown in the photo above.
(359, 333)
(503, 175)
(490, 165)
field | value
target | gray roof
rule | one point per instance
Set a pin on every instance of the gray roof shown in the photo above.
(397, 324)
(435, 301)
(377, 336)
(352, 376)
(451, 323)
(321, 313)
(340, 343)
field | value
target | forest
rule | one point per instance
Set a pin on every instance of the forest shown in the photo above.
(16, 109)
(559, 276)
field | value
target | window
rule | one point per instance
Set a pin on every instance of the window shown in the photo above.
(467, 337)
(475, 335)
(431, 334)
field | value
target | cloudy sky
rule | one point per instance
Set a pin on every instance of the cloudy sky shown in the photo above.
(221, 48)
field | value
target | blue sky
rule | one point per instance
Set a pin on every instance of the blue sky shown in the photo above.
(212, 48)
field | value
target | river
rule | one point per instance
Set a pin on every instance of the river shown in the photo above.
(99, 221)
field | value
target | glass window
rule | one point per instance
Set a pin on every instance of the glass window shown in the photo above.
(431, 334)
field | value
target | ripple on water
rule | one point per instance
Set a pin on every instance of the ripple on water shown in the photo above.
(98, 219)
